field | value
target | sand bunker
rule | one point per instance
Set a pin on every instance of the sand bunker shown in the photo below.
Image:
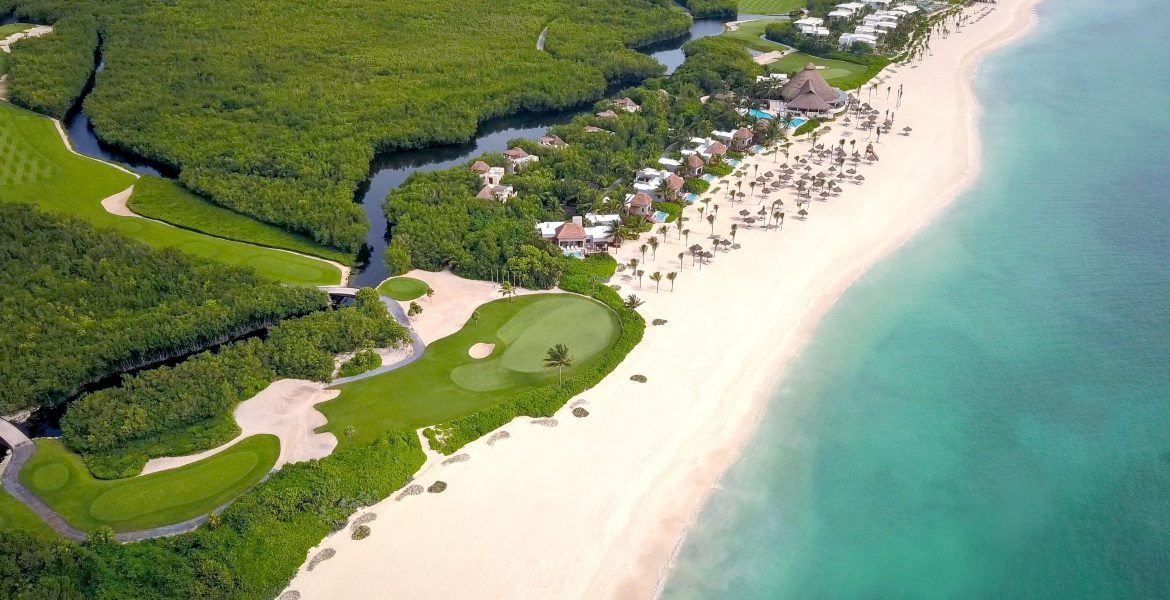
(481, 350)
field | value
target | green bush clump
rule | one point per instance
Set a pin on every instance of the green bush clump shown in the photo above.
(187, 408)
(806, 127)
(360, 532)
(361, 362)
(696, 185)
(49, 73)
(638, 378)
(449, 437)
(713, 9)
(719, 169)
(672, 210)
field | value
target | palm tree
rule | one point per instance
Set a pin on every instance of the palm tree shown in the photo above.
(633, 265)
(640, 273)
(644, 248)
(680, 259)
(558, 357)
(678, 225)
(734, 229)
(779, 216)
(671, 276)
(752, 186)
(653, 241)
(507, 290)
(656, 277)
(695, 250)
(711, 221)
(686, 235)
(631, 302)
(662, 231)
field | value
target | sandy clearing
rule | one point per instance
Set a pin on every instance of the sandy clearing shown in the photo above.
(285, 409)
(454, 300)
(38, 31)
(481, 350)
(116, 204)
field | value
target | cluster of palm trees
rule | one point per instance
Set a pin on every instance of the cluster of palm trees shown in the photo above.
(656, 276)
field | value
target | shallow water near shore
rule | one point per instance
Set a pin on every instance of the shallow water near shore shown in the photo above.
(986, 414)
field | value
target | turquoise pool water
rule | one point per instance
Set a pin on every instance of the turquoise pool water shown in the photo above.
(797, 122)
(759, 114)
(986, 415)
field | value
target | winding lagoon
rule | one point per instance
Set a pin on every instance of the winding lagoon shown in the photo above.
(986, 414)
(390, 169)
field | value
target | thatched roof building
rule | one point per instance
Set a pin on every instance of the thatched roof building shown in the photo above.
(808, 91)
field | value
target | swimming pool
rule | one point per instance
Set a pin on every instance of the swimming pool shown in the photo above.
(759, 114)
(659, 216)
(797, 122)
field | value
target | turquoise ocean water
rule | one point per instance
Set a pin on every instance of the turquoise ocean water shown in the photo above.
(986, 414)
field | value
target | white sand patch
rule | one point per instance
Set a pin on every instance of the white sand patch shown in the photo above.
(38, 31)
(285, 409)
(481, 350)
(768, 58)
(452, 304)
(596, 507)
(117, 204)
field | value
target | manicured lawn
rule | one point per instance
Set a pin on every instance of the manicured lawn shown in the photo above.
(769, 7)
(36, 168)
(15, 515)
(750, 35)
(163, 200)
(60, 478)
(403, 289)
(837, 70)
(447, 383)
(11, 28)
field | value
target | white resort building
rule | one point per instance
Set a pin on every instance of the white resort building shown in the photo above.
(579, 237)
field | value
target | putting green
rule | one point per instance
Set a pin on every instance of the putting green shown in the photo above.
(404, 289)
(61, 479)
(447, 382)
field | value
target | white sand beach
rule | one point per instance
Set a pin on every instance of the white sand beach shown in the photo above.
(595, 507)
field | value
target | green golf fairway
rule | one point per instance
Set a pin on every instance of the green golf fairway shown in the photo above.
(60, 478)
(403, 289)
(36, 168)
(15, 515)
(447, 383)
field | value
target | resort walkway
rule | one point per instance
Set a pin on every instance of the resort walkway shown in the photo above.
(399, 313)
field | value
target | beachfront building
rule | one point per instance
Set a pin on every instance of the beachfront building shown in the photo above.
(905, 9)
(808, 93)
(627, 105)
(551, 141)
(491, 176)
(882, 4)
(650, 181)
(693, 165)
(809, 25)
(518, 159)
(707, 150)
(639, 204)
(742, 139)
(847, 10)
(670, 164)
(503, 193)
(578, 237)
(848, 39)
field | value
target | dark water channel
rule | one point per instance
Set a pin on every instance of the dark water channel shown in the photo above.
(390, 169)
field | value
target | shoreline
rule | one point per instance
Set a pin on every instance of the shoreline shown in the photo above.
(606, 507)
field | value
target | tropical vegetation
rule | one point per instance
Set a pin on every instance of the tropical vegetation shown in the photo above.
(49, 72)
(241, 108)
(174, 411)
(81, 304)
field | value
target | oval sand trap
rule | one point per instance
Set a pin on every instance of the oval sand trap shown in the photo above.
(481, 350)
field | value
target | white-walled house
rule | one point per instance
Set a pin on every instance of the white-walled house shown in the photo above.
(577, 236)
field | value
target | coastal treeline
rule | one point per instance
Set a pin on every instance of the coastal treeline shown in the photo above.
(713, 9)
(275, 108)
(436, 221)
(48, 73)
(81, 303)
(180, 410)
